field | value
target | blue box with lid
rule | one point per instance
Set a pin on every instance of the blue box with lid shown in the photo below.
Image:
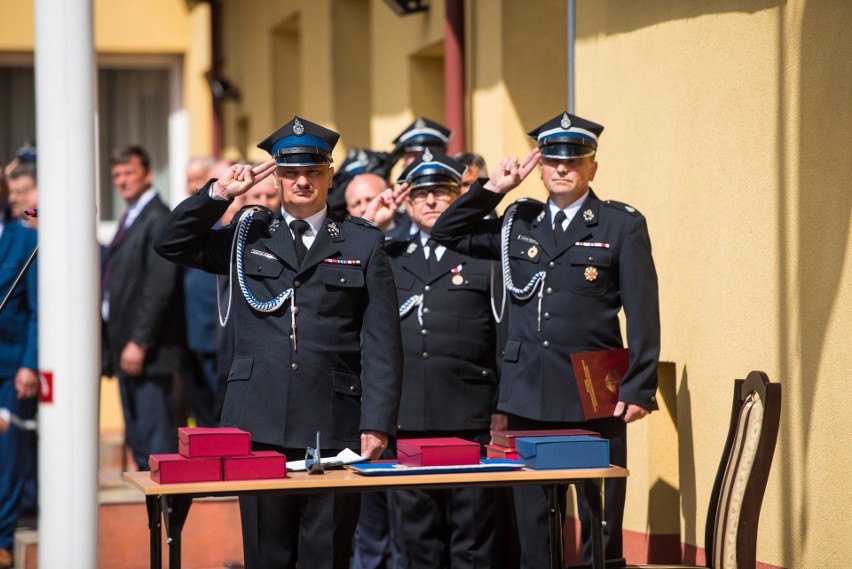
(553, 453)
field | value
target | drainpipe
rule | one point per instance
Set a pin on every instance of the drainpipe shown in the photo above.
(572, 32)
(454, 74)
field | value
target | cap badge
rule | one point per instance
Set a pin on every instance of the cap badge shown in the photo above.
(298, 129)
(420, 123)
(565, 122)
(532, 252)
(588, 215)
(427, 155)
(591, 274)
(412, 247)
(333, 229)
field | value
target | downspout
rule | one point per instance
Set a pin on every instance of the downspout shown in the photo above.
(572, 31)
(454, 108)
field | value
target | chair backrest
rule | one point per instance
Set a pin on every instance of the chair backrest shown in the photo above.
(734, 512)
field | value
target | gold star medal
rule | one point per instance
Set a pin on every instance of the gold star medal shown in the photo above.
(591, 274)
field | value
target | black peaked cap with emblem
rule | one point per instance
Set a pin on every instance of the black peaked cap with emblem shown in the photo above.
(567, 136)
(300, 142)
(422, 134)
(433, 169)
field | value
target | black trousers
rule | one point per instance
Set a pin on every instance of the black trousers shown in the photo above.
(447, 528)
(314, 530)
(531, 501)
(149, 423)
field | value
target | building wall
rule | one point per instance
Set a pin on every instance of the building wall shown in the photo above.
(729, 125)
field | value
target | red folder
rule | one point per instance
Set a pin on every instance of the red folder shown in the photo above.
(599, 376)
(507, 438)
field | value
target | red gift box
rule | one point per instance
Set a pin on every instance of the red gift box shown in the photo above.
(258, 465)
(198, 442)
(442, 451)
(507, 438)
(175, 469)
(494, 451)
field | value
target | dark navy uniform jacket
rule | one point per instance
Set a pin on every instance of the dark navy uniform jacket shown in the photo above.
(450, 378)
(345, 372)
(584, 290)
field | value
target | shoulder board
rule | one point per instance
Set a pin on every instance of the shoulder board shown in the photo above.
(622, 207)
(362, 222)
(526, 208)
(394, 245)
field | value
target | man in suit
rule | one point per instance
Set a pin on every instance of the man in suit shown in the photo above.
(572, 264)
(142, 310)
(317, 335)
(18, 366)
(450, 376)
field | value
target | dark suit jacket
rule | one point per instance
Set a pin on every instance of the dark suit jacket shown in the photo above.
(19, 320)
(145, 297)
(344, 373)
(450, 378)
(584, 289)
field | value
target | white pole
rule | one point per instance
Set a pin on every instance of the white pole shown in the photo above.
(69, 283)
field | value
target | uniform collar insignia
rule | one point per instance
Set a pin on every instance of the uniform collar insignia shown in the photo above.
(588, 215)
(274, 225)
(540, 216)
(412, 247)
(333, 229)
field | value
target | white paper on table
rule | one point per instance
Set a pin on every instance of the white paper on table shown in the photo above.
(345, 456)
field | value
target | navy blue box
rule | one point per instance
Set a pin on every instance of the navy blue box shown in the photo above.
(552, 453)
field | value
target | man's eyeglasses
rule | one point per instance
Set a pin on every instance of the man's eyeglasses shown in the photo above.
(313, 460)
(441, 193)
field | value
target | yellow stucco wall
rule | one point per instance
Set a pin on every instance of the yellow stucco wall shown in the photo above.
(729, 124)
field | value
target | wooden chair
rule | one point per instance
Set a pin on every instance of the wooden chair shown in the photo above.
(730, 539)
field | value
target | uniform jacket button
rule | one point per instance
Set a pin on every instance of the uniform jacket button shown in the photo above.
(549, 290)
(294, 366)
(551, 265)
(427, 288)
(425, 355)
(546, 315)
(297, 284)
(425, 311)
(424, 331)
(342, 279)
(546, 344)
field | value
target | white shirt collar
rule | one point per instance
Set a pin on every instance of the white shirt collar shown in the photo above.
(570, 211)
(315, 221)
(134, 210)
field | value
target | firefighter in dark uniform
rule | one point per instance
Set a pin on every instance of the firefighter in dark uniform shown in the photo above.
(569, 266)
(317, 335)
(449, 374)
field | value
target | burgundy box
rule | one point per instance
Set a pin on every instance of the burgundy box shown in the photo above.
(174, 469)
(198, 442)
(494, 451)
(507, 438)
(442, 451)
(257, 466)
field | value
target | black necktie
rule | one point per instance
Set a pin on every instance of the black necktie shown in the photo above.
(432, 259)
(299, 226)
(558, 230)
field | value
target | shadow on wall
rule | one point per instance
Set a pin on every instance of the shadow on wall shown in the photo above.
(686, 452)
(825, 203)
(612, 17)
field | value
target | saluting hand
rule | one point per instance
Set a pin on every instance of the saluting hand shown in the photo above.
(510, 172)
(382, 208)
(239, 178)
